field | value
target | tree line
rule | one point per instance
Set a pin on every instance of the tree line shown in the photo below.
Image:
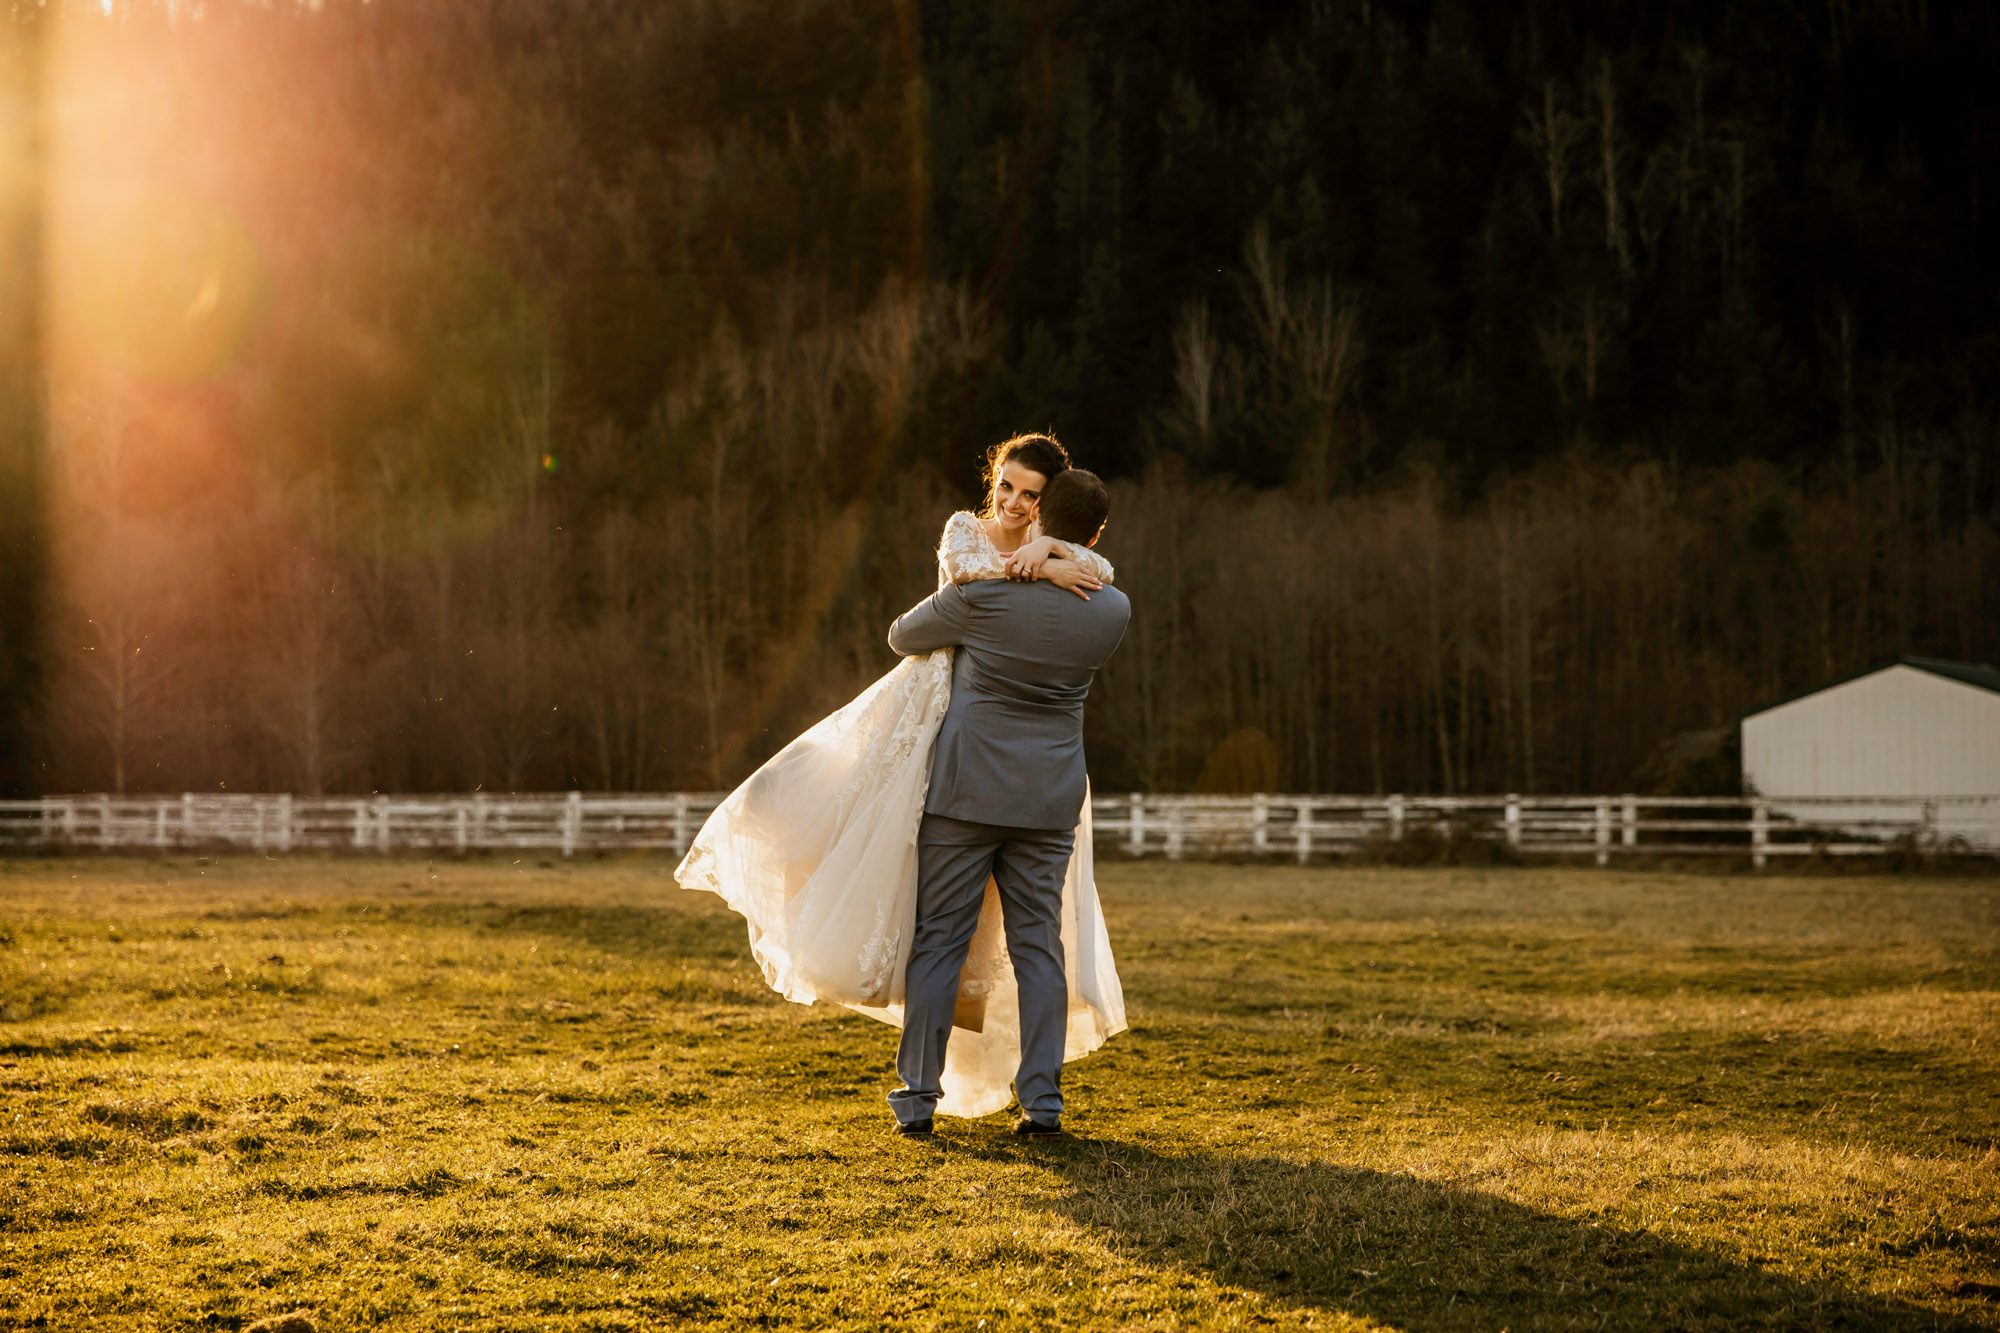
(484, 393)
(1549, 636)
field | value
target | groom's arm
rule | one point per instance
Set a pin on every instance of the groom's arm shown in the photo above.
(938, 621)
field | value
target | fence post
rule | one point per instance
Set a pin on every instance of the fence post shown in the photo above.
(160, 824)
(104, 821)
(1305, 827)
(382, 825)
(257, 834)
(1260, 820)
(1513, 820)
(187, 819)
(1630, 834)
(1760, 832)
(1136, 835)
(1176, 826)
(285, 822)
(681, 824)
(572, 826)
(1395, 819)
(1603, 832)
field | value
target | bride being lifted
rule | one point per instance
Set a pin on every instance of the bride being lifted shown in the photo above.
(818, 849)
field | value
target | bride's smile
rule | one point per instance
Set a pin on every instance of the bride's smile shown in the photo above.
(1016, 491)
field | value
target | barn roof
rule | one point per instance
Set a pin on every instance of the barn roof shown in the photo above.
(1966, 673)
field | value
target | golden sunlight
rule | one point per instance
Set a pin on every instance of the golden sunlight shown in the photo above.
(165, 286)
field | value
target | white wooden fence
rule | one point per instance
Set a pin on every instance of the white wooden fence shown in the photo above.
(566, 822)
(1597, 826)
(1296, 827)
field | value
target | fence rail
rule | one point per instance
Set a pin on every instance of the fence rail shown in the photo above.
(1597, 826)
(1278, 826)
(566, 822)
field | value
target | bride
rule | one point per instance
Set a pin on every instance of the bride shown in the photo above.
(818, 849)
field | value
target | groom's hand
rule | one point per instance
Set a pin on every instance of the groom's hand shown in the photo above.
(938, 621)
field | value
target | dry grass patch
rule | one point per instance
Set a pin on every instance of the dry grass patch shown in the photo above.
(392, 1094)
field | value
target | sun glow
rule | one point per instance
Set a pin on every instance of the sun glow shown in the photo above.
(331, 340)
(166, 286)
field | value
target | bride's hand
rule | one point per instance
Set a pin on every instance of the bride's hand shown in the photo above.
(1025, 565)
(1069, 574)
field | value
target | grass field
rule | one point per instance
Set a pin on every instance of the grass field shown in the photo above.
(494, 1095)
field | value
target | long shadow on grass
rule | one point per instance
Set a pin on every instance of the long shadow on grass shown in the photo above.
(1411, 1253)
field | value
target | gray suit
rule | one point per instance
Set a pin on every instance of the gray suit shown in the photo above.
(1006, 789)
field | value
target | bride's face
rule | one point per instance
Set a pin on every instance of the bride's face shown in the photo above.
(1016, 493)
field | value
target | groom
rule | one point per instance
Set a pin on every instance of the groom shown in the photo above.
(1006, 790)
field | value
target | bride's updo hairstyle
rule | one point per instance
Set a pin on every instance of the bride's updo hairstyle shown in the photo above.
(1037, 453)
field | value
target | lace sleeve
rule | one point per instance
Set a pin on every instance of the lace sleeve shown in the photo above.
(964, 553)
(1093, 564)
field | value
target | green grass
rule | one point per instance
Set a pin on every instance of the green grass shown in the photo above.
(526, 1095)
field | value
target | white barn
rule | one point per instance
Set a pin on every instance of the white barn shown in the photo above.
(1915, 727)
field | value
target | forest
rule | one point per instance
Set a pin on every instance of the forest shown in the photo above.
(526, 395)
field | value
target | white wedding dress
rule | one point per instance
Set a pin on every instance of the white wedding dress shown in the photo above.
(818, 853)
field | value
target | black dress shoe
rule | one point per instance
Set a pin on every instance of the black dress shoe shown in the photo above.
(1031, 1128)
(916, 1129)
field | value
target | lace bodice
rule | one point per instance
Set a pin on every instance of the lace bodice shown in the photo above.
(966, 554)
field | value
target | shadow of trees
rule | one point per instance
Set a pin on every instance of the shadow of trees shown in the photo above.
(1413, 1253)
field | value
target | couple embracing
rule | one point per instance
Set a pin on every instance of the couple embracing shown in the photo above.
(923, 856)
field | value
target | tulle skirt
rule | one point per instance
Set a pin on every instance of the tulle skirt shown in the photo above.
(817, 852)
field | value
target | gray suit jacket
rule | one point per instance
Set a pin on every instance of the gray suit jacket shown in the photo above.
(1011, 748)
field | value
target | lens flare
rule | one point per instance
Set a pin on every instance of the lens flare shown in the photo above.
(896, 341)
(167, 287)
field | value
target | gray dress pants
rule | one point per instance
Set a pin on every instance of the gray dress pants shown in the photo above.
(954, 859)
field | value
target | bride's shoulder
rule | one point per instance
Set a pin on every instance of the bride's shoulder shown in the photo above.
(966, 553)
(963, 526)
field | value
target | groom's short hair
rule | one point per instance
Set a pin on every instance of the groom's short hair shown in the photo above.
(1074, 505)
